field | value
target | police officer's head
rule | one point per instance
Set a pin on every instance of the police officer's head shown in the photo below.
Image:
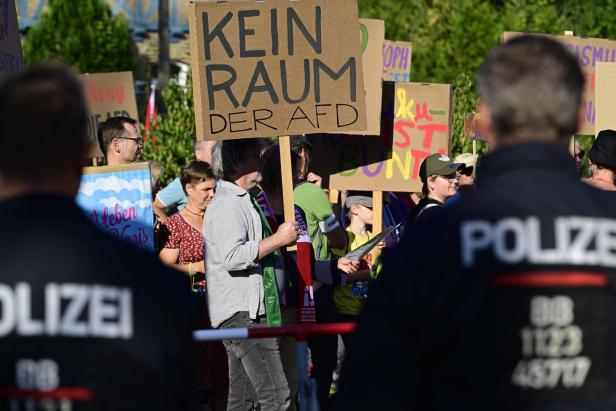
(43, 131)
(531, 90)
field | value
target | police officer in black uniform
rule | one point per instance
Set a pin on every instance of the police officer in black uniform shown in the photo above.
(504, 300)
(87, 322)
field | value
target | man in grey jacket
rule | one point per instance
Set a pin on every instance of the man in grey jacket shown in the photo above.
(241, 256)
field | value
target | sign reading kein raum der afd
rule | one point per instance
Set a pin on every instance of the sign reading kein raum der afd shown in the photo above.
(118, 200)
(276, 67)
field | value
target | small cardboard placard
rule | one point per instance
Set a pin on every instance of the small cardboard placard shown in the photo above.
(397, 61)
(11, 58)
(108, 95)
(118, 200)
(590, 52)
(605, 97)
(416, 123)
(372, 34)
(277, 67)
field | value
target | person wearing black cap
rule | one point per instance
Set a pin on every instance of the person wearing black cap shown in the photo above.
(602, 158)
(303, 148)
(440, 182)
(505, 299)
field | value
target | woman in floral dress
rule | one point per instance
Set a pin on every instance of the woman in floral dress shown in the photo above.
(183, 249)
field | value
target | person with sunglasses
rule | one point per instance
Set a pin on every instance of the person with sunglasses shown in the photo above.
(466, 175)
(440, 182)
(119, 140)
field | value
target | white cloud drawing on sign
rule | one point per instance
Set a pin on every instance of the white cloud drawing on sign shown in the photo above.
(124, 204)
(114, 184)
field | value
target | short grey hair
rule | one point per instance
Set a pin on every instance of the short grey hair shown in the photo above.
(533, 88)
(217, 159)
(228, 155)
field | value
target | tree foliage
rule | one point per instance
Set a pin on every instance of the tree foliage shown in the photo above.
(173, 132)
(82, 33)
(452, 37)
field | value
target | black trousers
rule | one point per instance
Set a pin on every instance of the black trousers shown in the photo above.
(324, 349)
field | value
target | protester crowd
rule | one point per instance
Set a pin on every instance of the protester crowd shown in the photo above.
(423, 308)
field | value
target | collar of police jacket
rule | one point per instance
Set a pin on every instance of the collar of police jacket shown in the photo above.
(534, 157)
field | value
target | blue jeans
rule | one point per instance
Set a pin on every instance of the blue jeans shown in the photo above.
(255, 366)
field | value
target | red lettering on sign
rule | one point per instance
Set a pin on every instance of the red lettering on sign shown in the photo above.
(429, 130)
(421, 111)
(399, 126)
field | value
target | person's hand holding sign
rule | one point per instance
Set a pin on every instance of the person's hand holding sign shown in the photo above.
(287, 233)
(347, 266)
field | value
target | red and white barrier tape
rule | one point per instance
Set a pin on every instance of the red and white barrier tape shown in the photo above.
(301, 332)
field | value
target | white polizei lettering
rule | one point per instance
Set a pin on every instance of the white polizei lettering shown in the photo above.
(476, 235)
(579, 252)
(101, 310)
(606, 242)
(7, 310)
(537, 254)
(72, 310)
(52, 309)
(517, 251)
(26, 325)
(126, 313)
(563, 237)
(578, 241)
(77, 296)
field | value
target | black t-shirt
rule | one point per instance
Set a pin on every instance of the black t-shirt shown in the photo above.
(420, 211)
(88, 322)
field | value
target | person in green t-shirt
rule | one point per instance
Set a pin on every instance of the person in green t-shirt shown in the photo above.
(326, 233)
(323, 226)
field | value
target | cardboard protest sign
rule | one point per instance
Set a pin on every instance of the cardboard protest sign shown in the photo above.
(108, 95)
(589, 51)
(11, 58)
(604, 97)
(276, 68)
(416, 123)
(397, 61)
(372, 34)
(118, 200)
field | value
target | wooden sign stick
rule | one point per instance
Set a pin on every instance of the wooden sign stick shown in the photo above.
(286, 171)
(333, 196)
(377, 212)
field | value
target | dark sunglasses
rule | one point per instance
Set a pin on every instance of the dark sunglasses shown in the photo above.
(468, 171)
(580, 155)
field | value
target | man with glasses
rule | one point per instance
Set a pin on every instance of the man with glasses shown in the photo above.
(79, 327)
(119, 140)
